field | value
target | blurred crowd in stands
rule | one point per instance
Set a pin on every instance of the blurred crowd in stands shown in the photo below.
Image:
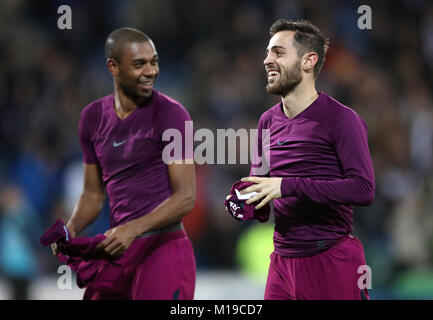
(211, 60)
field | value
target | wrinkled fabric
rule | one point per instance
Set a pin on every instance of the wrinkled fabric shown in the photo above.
(242, 211)
(79, 253)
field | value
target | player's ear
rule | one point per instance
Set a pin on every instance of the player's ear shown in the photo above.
(309, 60)
(112, 66)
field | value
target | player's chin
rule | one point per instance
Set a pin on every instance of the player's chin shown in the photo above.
(272, 88)
(144, 93)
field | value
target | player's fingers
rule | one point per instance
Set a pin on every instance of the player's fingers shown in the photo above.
(108, 232)
(251, 179)
(253, 188)
(257, 197)
(101, 245)
(54, 248)
(118, 251)
(263, 202)
(112, 247)
(105, 243)
(112, 243)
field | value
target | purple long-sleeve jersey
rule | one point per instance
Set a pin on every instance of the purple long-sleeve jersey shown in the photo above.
(129, 152)
(322, 154)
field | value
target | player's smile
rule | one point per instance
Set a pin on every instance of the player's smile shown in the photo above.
(146, 84)
(273, 74)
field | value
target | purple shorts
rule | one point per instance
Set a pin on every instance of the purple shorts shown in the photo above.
(158, 267)
(329, 275)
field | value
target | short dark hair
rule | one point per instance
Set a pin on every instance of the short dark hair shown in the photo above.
(118, 38)
(307, 38)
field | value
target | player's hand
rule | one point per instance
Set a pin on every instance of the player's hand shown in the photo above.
(267, 188)
(118, 240)
(55, 247)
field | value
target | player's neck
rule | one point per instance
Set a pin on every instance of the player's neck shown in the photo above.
(123, 104)
(299, 99)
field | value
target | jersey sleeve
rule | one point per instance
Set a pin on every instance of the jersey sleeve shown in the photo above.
(177, 134)
(348, 134)
(85, 138)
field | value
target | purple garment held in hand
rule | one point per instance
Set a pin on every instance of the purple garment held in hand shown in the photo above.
(83, 247)
(79, 253)
(242, 211)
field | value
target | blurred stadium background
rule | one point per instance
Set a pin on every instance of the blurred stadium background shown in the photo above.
(211, 55)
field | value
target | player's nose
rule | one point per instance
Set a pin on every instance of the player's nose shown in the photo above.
(150, 71)
(268, 60)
